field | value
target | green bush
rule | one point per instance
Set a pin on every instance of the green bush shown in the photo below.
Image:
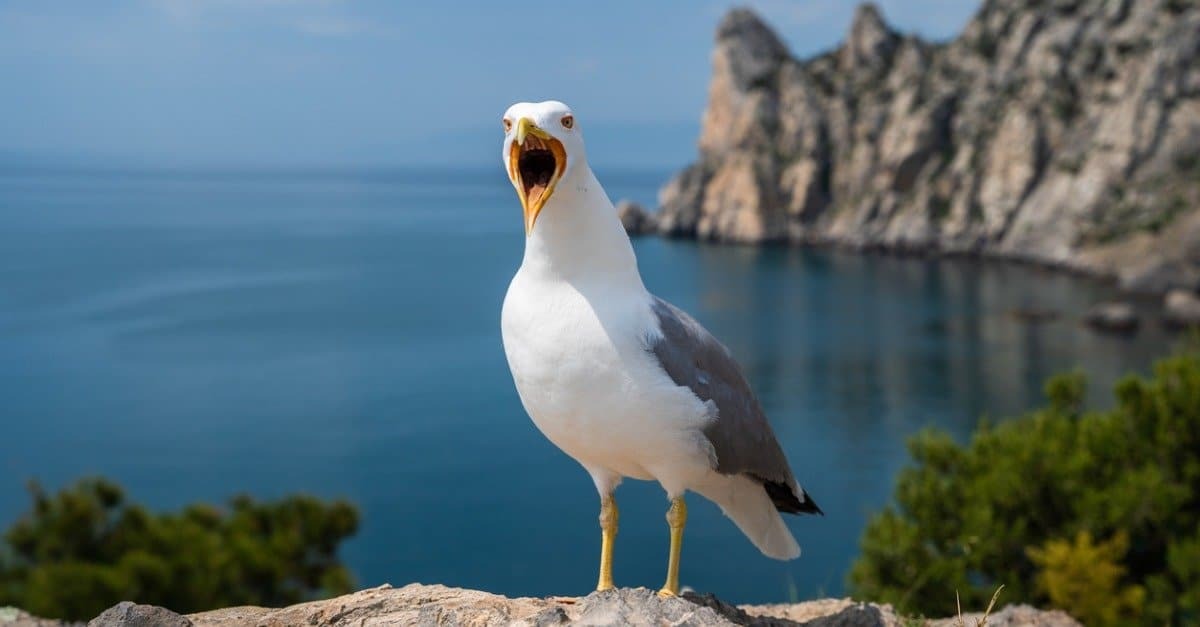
(86, 548)
(1094, 512)
(1084, 578)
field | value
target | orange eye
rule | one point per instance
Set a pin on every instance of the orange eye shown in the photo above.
(568, 121)
(507, 125)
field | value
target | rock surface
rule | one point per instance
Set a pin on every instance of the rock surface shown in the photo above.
(635, 218)
(127, 614)
(418, 604)
(13, 617)
(1064, 132)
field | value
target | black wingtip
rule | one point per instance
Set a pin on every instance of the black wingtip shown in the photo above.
(810, 506)
(787, 502)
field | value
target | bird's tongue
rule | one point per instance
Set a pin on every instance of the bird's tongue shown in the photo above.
(537, 167)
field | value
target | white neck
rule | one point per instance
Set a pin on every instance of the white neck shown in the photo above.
(579, 238)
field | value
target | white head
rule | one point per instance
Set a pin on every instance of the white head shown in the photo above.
(542, 146)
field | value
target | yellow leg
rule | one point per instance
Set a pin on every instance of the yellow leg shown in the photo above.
(608, 533)
(676, 518)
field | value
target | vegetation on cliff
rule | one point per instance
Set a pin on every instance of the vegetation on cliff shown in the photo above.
(87, 547)
(1094, 512)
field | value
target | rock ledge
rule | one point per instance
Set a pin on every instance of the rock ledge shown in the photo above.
(418, 604)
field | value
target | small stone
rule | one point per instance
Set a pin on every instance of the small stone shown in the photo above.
(127, 614)
(1113, 317)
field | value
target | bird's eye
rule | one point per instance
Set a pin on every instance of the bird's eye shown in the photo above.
(507, 125)
(568, 121)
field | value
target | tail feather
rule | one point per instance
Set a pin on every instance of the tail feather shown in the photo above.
(750, 507)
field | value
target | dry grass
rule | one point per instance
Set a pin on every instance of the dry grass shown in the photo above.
(921, 621)
(982, 622)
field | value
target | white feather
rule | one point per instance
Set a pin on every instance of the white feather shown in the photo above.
(747, 504)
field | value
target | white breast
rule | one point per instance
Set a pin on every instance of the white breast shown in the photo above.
(579, 360)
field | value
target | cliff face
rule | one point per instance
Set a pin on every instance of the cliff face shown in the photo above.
(1060, 131)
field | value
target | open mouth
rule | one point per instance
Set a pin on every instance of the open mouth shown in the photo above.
(535, 165)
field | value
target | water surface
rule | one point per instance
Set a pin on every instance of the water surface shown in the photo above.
(197, 334)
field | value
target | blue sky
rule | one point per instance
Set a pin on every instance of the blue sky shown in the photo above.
(342, 82)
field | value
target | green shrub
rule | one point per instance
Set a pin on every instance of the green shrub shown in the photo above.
(1084, 578)
(1021, 503)
(86, 548)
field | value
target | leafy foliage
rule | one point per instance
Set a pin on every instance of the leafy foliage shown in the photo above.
(86, 548)
(1096, 512)
(1083, 578)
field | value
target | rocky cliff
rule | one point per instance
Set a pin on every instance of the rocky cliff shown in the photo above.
(1064, 132)
(418, 604)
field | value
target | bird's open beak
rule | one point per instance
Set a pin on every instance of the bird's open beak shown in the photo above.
(535, 163)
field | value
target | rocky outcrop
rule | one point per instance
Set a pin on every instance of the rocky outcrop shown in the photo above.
(1064, 132)
(1181, 309)
(418, 604)
(1115, 317)
(635, 218)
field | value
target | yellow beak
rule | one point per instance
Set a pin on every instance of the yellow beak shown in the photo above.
(524, 126)
(536, 161)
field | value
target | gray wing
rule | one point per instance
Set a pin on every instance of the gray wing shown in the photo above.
(742, 438)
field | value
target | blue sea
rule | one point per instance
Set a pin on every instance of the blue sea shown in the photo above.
(194, 334)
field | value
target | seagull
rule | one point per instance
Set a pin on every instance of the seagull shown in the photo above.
(622, 381)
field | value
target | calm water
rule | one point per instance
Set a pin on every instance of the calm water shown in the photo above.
(196, 335)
